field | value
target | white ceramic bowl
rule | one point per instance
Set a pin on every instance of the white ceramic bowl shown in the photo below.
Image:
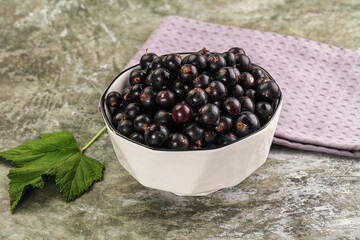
(189, 172)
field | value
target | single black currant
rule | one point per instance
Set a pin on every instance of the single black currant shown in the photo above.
(156, 135)
(194, 132)
(196, 98)
(157, 63)
(268, 91)
(147, 59)
(178, 141)
(147, 98)
(181, 113)
(125, 127)
(216, 91)
(227, 138)
(180, 90)
(227, 76)
(246, 123)
(188, 73)
(197, 60)
(247, 104)
(263, 111)
(113, 99)
(201, 81)
(118, 117)
(215, 61)
(232, 106)
(251, 93)
(162, 117)
(243, 62)
(165, 99)
(237, 50)
(138, 137)
(142, 122)
(230, 59)
(237, 91)
(257, 73)
(132, 110)
(137, 76)
(225, 124)
(209, 115)
(210, 137)
(246, 80)
(262, 80)
(135, 91)
(173, 62)
(161, 78)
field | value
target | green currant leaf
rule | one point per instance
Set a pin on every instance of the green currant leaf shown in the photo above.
(54, 154)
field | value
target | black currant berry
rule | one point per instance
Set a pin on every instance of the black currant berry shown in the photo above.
(232, 106)
(125, 96)
(165, 99)
(246, 123)
(178, 141)
(215, 61)
(142, 122)
(113, 99)
(263, 111)
(210, 137)
(181, 113)
(194, 132)
(157, 63)
(262, 80)
(257, 73)
(147, 98)
(251, 93)
(132, 110)
(161, 79)
(246, 80)
(216, 91)
(147, 59)
(188, 73)
(135, 92)
(125, 127)
(225, 124)
(247, 104)
(197, 60)
(227, 138)
(201, 81)
(243, 62)
(227, 76)
(173, 62)
(156, 135)
(237, 91)
(230, 59)
(138, 137)
(196, 98)
(180, 90)
(209, 115)
(118, 117)
(162, 117)
(268, 91)
(137, 76)
(237, 50)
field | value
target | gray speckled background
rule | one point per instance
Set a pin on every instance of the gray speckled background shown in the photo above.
(56, 57)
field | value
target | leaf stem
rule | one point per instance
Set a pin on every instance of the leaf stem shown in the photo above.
(93, 140)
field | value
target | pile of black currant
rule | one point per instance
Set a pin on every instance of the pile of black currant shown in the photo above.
(202, 100)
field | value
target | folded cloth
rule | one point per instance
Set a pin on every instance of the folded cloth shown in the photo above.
(320, 83)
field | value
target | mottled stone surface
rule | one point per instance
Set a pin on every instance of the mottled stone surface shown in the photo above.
(56, 57)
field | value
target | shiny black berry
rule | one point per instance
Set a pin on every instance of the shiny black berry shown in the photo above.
(132, 110)
(147, 59)
(125, 127)
(230, 59)
(227, 138)
(247, 104)
(178, 141)
(157, 63)
(142, 122)
(251, 93)
(232, 106)
(138, 137)
(257, 73)
(209, 115)
(135, 92)
(216, 91)
(210, 137)
(165, 99)
(197, 60)
(137, 76)
(161, 79)
(263, 111)
(162, 117)
(118, 117)
(156, 135)
(125, 96)
(147, 98)
(243, 62)
(181, 113)
(246, 123)
(173, 62)
(237, 50)
(180, 90)
(237, 91)
(196, 98)
(188, 73)
(268, 91)
(246, 80)
(225, 124)
(113, 99)
(215, 61)
(201, 81)
(228, 76)
(261, 80)
(194, 132)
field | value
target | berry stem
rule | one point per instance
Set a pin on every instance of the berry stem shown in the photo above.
(93, 140)
(146, 52)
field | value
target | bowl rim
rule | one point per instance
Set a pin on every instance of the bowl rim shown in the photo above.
(109, 124)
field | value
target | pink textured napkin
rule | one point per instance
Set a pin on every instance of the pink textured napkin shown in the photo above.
(320, 83)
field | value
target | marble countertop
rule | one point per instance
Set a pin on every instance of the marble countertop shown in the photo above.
(56, 58)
